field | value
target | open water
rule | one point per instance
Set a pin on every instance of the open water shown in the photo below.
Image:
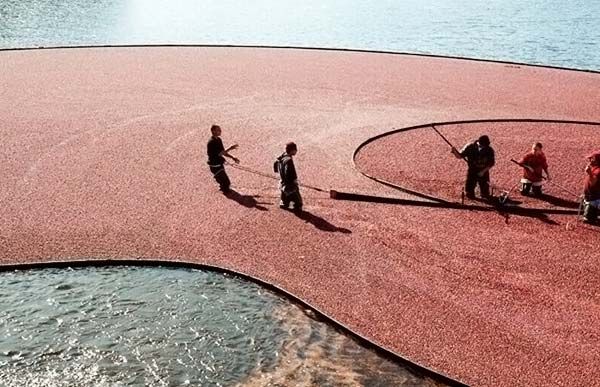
(135, 326)
(560, 33)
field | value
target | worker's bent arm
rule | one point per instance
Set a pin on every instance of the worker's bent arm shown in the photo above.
(226, 153)
(456, 153)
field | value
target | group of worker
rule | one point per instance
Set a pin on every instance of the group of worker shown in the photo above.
(478, 154)
(480, 158)
(283, 165)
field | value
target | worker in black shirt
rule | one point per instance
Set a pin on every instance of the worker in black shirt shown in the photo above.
(216, 158)
(290, 190)
(480, 159)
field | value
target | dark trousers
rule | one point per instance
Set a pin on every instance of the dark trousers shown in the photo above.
(221, 177)
(590, 213)
(473, 179)
(288, 196)
(526, 188)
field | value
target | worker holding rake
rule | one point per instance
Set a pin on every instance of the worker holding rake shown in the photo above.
(534, 163)
(290, 189)
(216, 158)
(480, 159)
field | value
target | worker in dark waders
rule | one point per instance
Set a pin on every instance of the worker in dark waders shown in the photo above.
(216, 158)
(480, 159)
(591, 193)
(290, 190)
(534, 163)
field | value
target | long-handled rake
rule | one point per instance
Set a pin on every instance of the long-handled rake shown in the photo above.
(504, 195)
(569, 225)
(269, 176)
(442, 136)
(563, 188)
(462, 197)
(551, 182)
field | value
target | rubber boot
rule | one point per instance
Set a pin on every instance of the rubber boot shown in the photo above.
(525, 188)
(284, 203)
(590, 213)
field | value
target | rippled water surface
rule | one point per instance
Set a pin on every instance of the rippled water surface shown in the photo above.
(170, 327)
(563, 33)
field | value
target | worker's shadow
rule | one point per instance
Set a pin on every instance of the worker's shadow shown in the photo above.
(319, 222)
(544, 218)
(246, 200)
(559, 202)
(527, 214)
(511, 207)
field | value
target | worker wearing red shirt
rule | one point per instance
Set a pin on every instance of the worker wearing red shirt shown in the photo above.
(591, 190)
(534, 163)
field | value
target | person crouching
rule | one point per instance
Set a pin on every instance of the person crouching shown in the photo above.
(290, 190)
(534, 164)
(591, 192)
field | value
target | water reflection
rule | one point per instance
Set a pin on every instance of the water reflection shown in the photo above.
(532, 32)
(158, 326)
(47, 22)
